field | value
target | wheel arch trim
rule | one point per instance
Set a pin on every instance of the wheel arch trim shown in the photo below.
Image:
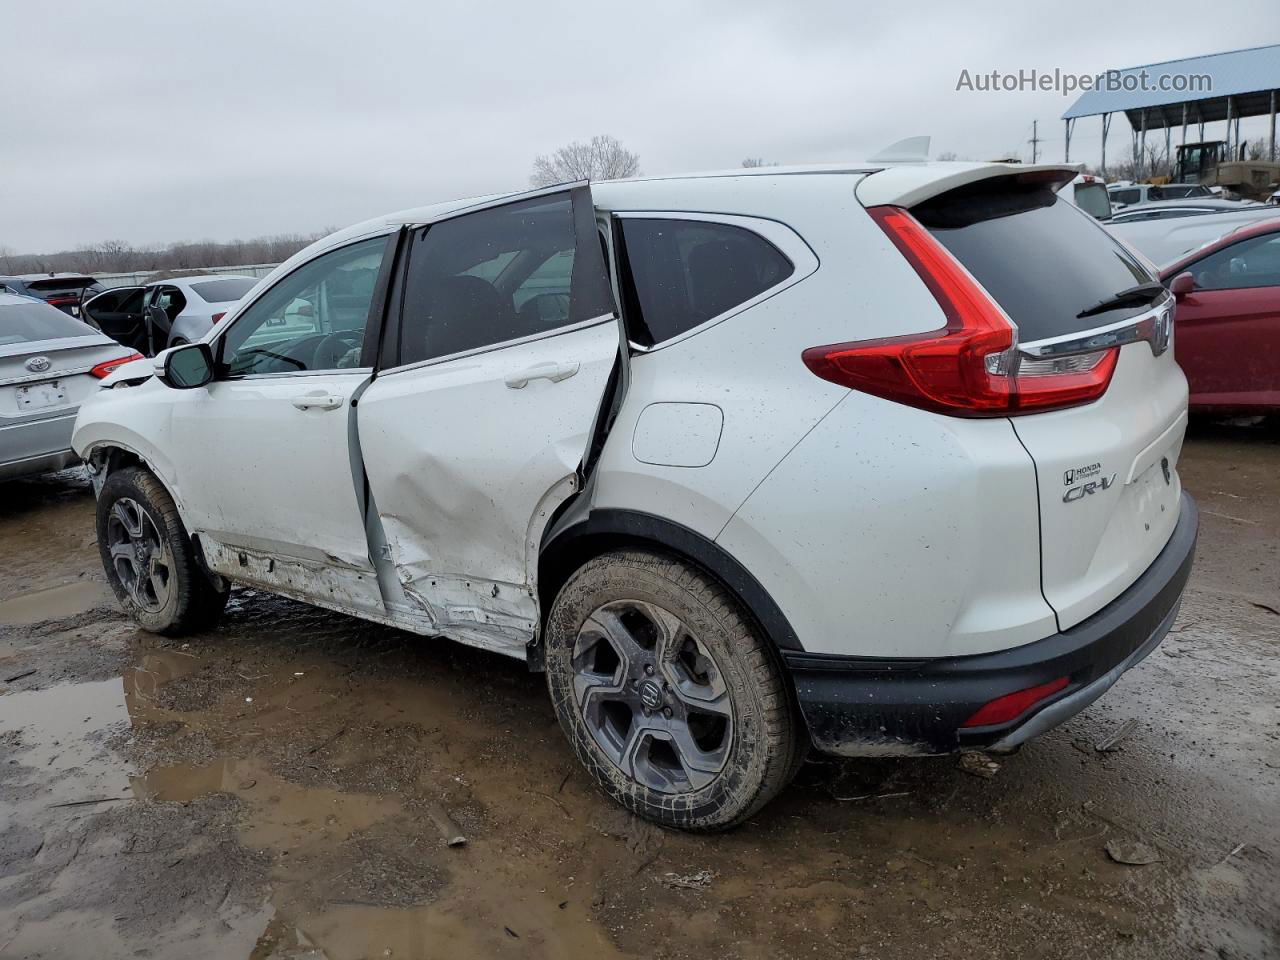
(603, 529)
(99, 456)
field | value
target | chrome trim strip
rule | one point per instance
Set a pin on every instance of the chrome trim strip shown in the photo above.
(1155, 326)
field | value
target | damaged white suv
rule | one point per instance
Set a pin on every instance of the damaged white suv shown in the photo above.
(879, 459)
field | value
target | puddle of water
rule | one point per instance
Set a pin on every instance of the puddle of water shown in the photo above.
(61, 729)
(55, 603)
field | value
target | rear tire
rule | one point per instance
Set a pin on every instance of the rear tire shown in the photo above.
(670, 696)
(149, 559)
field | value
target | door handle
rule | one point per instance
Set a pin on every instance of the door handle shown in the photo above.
(318, 401)
(555, 372)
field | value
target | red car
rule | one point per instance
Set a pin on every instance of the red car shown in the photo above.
(1227, 323)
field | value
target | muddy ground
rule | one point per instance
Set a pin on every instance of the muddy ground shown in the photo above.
(272, 789)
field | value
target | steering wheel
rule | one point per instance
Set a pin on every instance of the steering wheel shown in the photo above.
(334, 348)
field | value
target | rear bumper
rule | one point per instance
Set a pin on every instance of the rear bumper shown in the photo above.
(856, 706)
(36, 446)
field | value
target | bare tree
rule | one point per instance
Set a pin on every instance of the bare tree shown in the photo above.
(600, 158)
(753, 162)
(117, 256)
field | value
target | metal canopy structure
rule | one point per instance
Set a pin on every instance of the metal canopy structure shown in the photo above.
(1199, 90)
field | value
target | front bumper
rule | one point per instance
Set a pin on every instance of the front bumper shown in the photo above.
(867, 706)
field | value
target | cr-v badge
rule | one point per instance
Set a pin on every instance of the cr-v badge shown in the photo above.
(1085, 489)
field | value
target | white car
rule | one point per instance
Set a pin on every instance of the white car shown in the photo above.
(1128, 194)
(1163, 232)
(166, 313)
(878, 458)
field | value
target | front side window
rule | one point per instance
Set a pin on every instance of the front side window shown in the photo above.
(679, 274)
(500, 274)
(315, 318)
(1249, 263)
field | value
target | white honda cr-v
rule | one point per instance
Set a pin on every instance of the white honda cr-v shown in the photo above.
(879, 459)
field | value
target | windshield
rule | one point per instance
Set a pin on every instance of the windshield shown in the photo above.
(222, 291)
(26, 322)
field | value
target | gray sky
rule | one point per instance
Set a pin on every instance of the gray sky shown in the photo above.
(162, 121)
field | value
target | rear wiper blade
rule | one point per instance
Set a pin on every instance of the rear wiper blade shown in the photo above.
(1142, 293)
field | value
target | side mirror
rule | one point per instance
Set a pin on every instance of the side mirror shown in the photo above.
(1182, 285)
(187, 366)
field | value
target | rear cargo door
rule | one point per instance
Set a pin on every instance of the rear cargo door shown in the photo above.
(1107, 471)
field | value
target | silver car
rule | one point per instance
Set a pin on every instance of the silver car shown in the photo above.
(49, 362)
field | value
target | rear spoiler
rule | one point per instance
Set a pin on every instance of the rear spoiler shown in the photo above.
(908, 185)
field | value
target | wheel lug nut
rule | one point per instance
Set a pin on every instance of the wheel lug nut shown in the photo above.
(666, 712)
(648, 669)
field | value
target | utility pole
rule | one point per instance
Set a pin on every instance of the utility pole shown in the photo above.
(1034, 141)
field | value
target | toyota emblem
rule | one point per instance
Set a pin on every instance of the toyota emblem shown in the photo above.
(39, 364)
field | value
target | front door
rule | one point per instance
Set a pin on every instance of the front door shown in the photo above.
(118, 314)
(265, 466)
(475, 431)
(1227, 330)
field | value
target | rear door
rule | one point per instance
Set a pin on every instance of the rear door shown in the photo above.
(1106, 471)
(1228, 328)
(497, 365)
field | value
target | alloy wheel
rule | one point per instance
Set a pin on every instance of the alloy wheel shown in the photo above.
(140, 556)
(652, 696)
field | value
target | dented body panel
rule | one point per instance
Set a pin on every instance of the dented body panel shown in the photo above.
(466, 468)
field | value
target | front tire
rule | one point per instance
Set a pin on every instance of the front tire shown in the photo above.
(149, 559)
(669, 695)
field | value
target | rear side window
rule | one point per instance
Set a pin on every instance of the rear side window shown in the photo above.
(1043, 260)
(500, 274)
(681, 273)
(25, 322)
(1124, 196)
(221, 291)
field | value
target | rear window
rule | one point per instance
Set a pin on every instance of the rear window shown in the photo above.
(681, 273)
(60, 286)
(1092, 199)
(26, 322)
(1042, 259)
(220, 291)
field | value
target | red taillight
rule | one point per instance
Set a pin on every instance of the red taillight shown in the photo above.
(217, 316)
(969, 368)
(109, 366)
(1013, 705)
